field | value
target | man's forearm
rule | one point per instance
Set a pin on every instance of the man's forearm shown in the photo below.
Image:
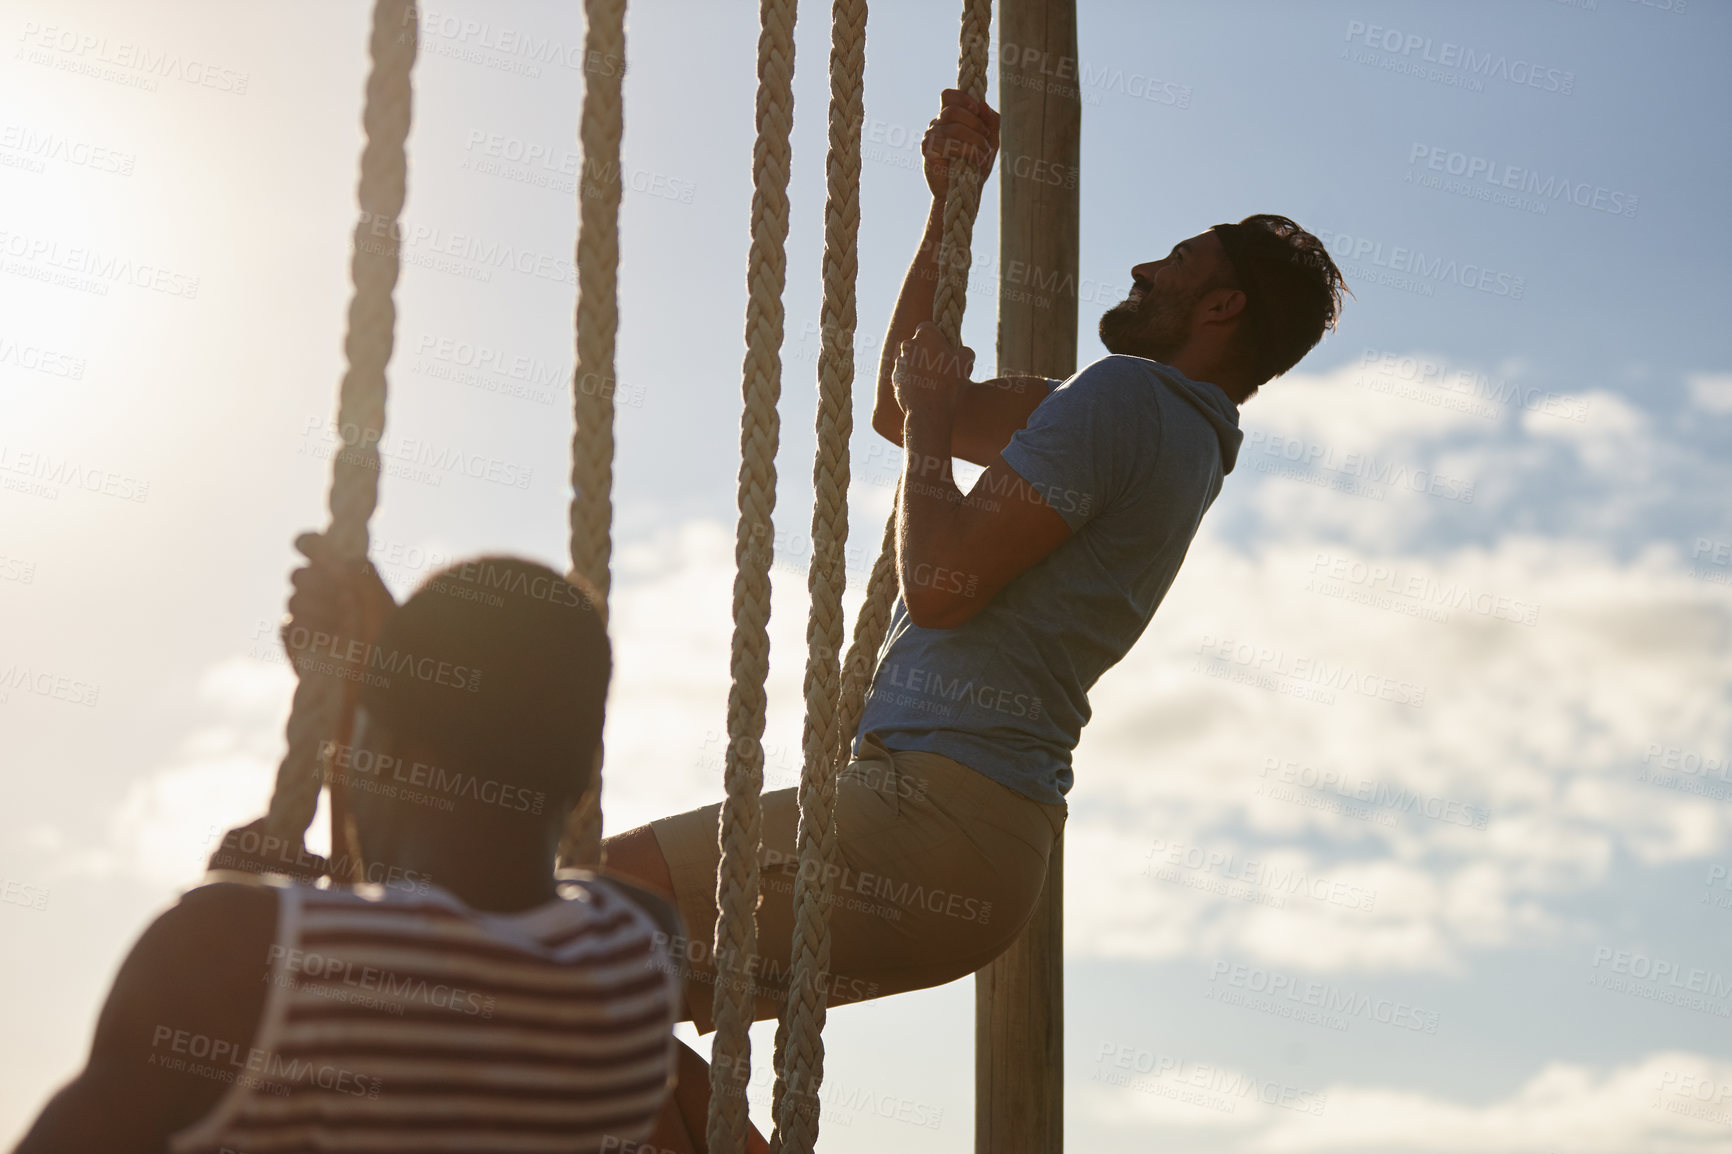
(931, 502)
(988, 413)
(913, 306)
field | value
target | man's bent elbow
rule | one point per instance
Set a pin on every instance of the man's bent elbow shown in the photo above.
(887, 423)
(933, 611)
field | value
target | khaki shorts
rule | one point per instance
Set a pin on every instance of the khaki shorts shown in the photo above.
(938, 869)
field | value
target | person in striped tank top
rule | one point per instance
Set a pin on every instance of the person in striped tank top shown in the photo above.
(453, 994)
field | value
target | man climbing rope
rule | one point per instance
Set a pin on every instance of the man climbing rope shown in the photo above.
(1015, 597)
(471, 998)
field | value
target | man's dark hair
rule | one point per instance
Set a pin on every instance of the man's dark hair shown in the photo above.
(500, 666)
(1292, 290)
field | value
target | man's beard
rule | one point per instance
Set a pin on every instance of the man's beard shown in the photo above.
(1156, 326)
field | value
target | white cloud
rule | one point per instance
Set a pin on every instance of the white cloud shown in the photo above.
(1614, 442)
(672, 625)
(1671, 1102)
(1371, 451)
(1666, 1103)
(166, 826)
(1711, 391)
(1510, 727)
(163, 827)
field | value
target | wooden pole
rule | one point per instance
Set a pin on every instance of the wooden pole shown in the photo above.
(1019, 998)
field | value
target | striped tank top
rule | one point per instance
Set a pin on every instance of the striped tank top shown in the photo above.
(408, 1022)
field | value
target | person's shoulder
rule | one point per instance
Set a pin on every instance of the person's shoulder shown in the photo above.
(218, 912)
(197, 971)
(210, 933)
(228, 899)
(1116, 377)
(1118, 393)
(1119, 367)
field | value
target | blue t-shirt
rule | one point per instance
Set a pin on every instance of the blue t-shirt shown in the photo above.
(1131, 453)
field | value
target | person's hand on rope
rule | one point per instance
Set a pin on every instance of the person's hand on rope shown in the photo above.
(335, 612)
(930, 371)
(965, 130)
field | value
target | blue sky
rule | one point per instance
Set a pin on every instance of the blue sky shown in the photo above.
(1500, 486)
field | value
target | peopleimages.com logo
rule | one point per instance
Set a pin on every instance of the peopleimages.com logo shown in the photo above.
(1413, 269)
(1482, 178)
(1448, 62)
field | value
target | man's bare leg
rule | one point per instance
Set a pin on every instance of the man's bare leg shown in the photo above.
(684, 1120)
(637, 856)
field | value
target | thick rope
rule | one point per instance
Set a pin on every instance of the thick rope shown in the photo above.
(961, 203)
(741, 831)
(962, 196)
(373, 267)
(870, 625)
(800, 1048)
(592, 382)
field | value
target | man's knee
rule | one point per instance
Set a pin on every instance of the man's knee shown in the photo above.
(636, 856)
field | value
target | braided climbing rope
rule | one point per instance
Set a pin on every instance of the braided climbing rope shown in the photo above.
(962, 195)
(870, 625)
(741, 830)
(961, 203)
(829, 733)
(592, 381)
(373, 267)
(800, 1045)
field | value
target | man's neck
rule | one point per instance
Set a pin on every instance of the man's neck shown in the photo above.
(499, 895)
(1231, 381)
(497, 871)
(1237, 392)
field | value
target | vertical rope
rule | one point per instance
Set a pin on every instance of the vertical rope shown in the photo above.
(870, 625)
(961, 203)
(800, 1049)
(373, 268)
(962, 195)
(592, 382)
(741, 831)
